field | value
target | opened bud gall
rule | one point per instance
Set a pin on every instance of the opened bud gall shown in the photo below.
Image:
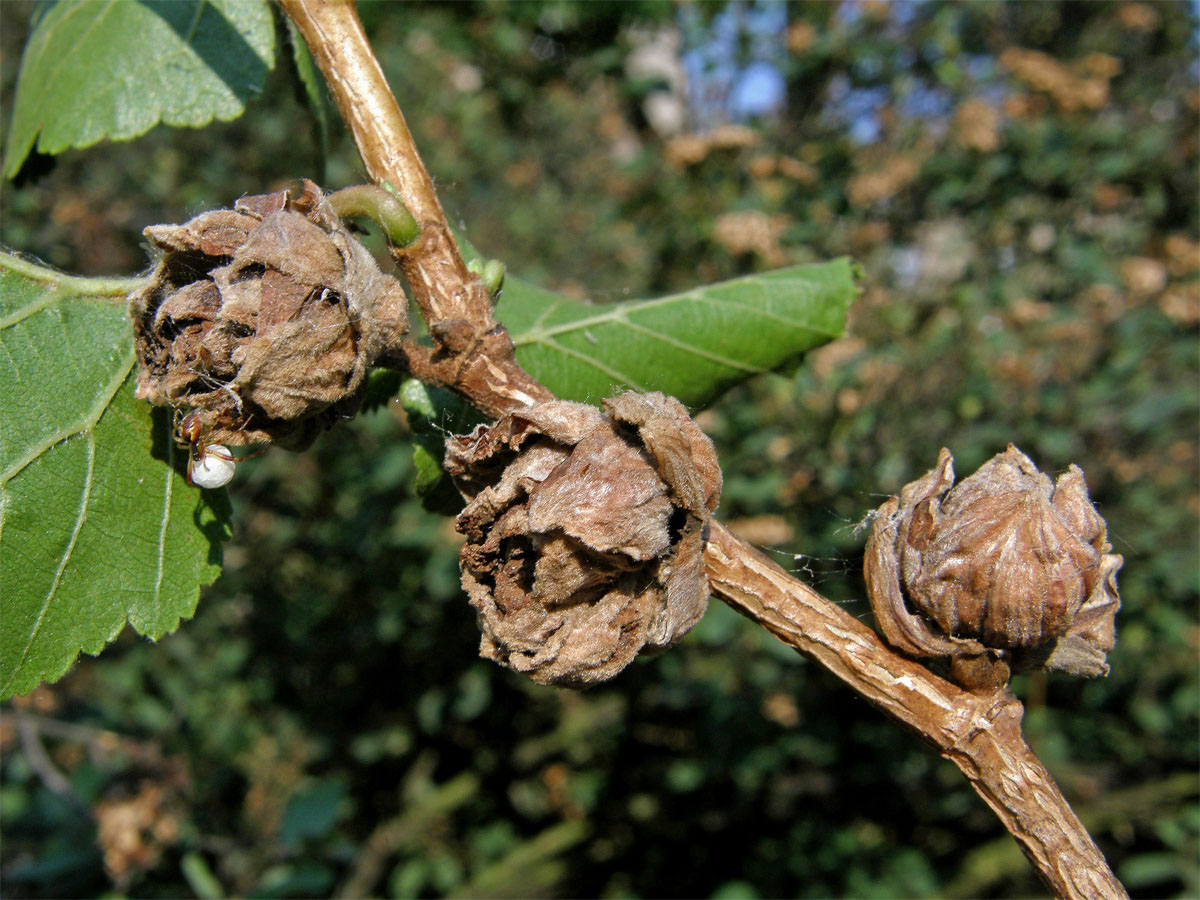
(585, 533)
(1006, 565)
(262, 320)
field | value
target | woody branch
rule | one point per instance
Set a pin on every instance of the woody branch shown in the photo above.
(978, 731)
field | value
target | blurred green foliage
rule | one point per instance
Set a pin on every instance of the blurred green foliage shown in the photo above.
(1019, 182)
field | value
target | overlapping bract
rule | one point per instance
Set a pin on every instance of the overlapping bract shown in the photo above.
(585, 533)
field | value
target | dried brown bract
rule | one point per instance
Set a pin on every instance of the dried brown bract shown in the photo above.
(585, 533)
(263, 319)
(1004, 569)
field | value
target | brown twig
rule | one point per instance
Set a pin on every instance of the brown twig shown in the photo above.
(472, 353)
(979, 732)
(39, 760)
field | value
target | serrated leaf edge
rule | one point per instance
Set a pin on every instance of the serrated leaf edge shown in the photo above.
(152, 628)
(38, 137)
(59, 285)
(104, 401)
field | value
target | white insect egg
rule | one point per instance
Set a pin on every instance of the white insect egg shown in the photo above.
(212, 468)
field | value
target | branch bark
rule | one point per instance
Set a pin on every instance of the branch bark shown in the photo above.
(978, 732)
(472, 353)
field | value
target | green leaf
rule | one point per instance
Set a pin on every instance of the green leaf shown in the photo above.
(433, 413)
(532, 868)
(692, 345)
(314, 811)
(315, 94)
(98, 525)
(200, 877)
(114, 70)
(382, 387)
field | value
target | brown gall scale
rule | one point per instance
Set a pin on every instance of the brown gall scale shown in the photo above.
(1005, 570)
(262, 320)
(585, 533)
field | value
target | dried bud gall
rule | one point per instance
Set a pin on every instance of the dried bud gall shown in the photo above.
(1006, 566)
(263, 319)
(585, 533)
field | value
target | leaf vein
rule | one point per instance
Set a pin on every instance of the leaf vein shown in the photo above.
(622, 313)
(546, 314)
(91, 417)
(695, 351)
(80, 519)
(160, 556)
(35, 306)
(81, 285)
(618, 377)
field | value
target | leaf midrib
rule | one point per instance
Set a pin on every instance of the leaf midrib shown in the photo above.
(82, 286)
(620, 315)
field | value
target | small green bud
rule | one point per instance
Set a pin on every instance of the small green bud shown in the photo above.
(491, 273)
